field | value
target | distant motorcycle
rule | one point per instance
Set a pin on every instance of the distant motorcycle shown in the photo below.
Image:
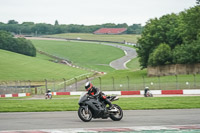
(48, 96)
(95, 108)
(147, 93)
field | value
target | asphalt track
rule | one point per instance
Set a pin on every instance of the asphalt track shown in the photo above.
(70, 119)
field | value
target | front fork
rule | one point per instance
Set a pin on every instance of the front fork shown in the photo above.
(86, 108)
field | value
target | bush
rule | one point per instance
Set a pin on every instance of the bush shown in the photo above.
(187, 53)
(162, 55)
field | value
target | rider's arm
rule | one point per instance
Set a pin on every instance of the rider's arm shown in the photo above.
(97, 92)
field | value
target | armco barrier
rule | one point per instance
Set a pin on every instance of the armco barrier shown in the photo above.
(155, 92)
(171, 92)
(15, 95)
(130, 92)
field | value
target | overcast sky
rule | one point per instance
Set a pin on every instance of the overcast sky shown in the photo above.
(89, 12)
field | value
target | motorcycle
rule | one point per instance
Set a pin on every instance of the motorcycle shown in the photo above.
(95, 108)
(48, 96)
(148, 93)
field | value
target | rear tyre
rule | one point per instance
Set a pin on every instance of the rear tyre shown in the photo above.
(117, 116)
(83, 115)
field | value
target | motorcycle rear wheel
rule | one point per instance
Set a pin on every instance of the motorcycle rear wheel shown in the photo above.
(117, 116)
(86, 117)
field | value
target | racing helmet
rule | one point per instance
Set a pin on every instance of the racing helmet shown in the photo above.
(88, 86)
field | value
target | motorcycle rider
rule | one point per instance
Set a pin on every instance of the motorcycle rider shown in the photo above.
(146, 90)
(48, 91)
(95, 92)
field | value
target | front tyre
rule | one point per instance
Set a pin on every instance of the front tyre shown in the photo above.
(117, 116)
(83, 115)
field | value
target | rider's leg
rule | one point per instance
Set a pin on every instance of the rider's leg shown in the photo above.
(109, 103)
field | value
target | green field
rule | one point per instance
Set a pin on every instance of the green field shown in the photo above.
(134, 64)
(88, 55)
(115, 38)
(20, 67)
(71, 104)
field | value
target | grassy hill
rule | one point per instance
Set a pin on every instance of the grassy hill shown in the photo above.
(86, 36)
(15, 66)
(88, 55)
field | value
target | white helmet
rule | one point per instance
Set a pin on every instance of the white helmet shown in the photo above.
(88, 86)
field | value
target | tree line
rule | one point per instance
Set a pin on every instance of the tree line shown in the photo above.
(17, 45)
(171, 39)
(31, 28)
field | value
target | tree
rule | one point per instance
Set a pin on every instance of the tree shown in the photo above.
(189, 27)
(56, 23)
(134, 29)
(43, 28)
(187, 53)
(155, 32)
(198, 2)
(162, 55)
(12, 22)
(18, 45)
(124, 25)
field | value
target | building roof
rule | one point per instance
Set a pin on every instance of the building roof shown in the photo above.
(110, 31)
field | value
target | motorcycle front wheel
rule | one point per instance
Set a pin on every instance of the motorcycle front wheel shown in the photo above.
(118, 115)
(84, 115)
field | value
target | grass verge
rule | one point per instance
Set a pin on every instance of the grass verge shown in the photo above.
(86, 36)
(15, 66)
(71, 104)
(88, 55)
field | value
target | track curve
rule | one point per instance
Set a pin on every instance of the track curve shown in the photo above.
(117, 64)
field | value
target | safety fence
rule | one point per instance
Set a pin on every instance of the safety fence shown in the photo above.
(127, 83)
(40, 87)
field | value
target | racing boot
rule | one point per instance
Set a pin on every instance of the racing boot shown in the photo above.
(109, 103)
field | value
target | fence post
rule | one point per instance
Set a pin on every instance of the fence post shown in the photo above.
(16, 91)
(100, 82)
(176, 82)
(113, 83)
(194, 80)
(64, 84)
(45, 84)
(29, 86)
(54, 85)
(143, 82)
(25, 86)
(20, 86)
(75, 83)
(128, 81)
(6, 86)
(159, 82)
